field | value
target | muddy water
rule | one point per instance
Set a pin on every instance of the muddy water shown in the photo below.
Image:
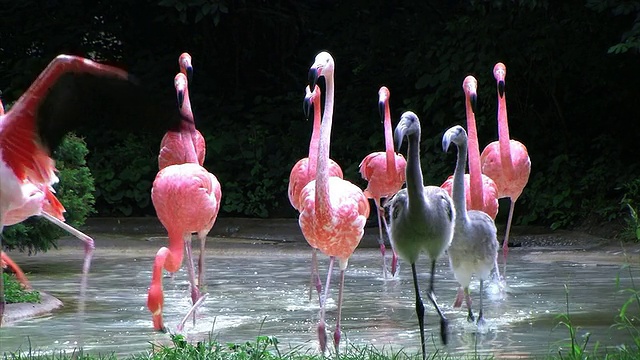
(262, 288)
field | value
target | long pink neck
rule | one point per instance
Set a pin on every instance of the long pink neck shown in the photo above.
(388, 140)
(171, 259)
(475, 172)
(323, 205)
(315, 135)
(1, 108)
(503, 135)
(188, 129)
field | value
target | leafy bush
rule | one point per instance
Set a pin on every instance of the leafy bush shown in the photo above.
(14, 293)
(75, 192)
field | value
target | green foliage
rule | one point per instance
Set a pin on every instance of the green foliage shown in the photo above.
(124, 173)
(630, 201)
(14, 293)
(627, 318)
(201, 9)
(576, 350)
(75, 192)
(627, 10)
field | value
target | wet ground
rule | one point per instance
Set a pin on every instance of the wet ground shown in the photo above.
(257, 280)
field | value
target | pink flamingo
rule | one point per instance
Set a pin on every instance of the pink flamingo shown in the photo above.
(171, 150)
(69, 93)
(305, 170)
(385, 172)
(333, 211)
(481, 192)
(506, 161)
(187, 200)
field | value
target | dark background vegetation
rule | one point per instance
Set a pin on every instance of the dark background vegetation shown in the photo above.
(573, 71)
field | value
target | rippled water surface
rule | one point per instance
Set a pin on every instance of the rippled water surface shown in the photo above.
(263, 289)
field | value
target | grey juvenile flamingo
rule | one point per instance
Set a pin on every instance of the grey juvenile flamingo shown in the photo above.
(474, 248)
(422, 218)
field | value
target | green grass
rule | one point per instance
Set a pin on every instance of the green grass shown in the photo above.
(14, 293)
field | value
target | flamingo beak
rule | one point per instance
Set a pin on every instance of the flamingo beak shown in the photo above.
(189, 69)
(314, 74)
(399, 133)
(473, 98)
(446, 140)
(180, 98)
(381, 106)
(501, 88)
(307, 105)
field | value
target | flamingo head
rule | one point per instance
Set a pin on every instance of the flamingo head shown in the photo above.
(456, 135)
(383, 100)
(470, 88)
(409, 125)
(180, 83)
(322, 66)
(155, 303)
(185, 65)
(500, 73)
(311, 98)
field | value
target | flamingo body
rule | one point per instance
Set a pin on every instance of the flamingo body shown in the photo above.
(382, 182)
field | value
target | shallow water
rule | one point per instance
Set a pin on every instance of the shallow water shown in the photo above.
(263, 289)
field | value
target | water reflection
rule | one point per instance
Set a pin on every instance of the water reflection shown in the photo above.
(263, 289)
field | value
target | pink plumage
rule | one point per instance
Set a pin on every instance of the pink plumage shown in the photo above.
(481, 192)
(506, 161)
(305, 169)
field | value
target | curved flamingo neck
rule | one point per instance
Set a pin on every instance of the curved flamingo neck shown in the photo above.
(388, 140)
(475, 171)
(458, 194)
(188, 129)
(315, 135)
(1, 108)
(503, 135)
(323, 205)
(171, 259)
(415, 183)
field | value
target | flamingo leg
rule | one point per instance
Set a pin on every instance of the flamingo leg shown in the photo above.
(480, 315)
(337, 333)
(19, 274)
(394, 259)
(381, 238)
(444, 325)
(315, 276)
(201, 271)
(467, 298)
(322, 333)
(192, 311)
(505, 243)
(419, 309)
(89, 246)
(195, 292)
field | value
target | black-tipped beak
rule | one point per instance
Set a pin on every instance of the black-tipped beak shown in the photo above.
(473, 98)
(180, 99)
(307, 105)
(189, 73)
(446, 141)
(399, 133)
(313, 77)
(501, 88)
(381, 106)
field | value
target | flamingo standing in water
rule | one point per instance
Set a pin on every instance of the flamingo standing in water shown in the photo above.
(333, 211)
(71, 92)
(474, 248)
(385, 172)
(506, 161)
(305, 170)
(187, 200)
(481, 192)
(422, 219)
(172, 151)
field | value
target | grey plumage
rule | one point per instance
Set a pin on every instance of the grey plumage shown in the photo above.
(474, 248)
(422, 218)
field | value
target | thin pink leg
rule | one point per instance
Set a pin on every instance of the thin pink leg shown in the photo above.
(337, 334)
(505, 243)
(322, 333)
